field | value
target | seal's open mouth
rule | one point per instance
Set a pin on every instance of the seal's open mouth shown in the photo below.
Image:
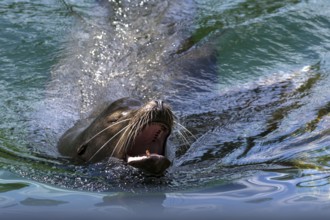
(148, 148)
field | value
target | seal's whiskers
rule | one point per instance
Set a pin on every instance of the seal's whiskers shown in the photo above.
(122, 142)
(106, 143)
(185, 129)
(183, 137)
(134, 128)
(110, 126)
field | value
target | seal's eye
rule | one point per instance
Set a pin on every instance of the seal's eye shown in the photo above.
(114, 117)
(123, 114)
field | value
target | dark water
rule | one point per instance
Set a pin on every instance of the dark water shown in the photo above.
(249, 80)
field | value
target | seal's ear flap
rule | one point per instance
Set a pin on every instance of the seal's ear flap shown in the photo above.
(82, 149)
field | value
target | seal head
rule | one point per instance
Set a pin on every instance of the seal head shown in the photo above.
(127, 129)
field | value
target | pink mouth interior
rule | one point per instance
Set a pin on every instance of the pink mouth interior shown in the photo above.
(151, 140)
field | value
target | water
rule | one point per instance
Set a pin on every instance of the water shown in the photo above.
(249, 79)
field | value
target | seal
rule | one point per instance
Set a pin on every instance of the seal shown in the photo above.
(127, 129)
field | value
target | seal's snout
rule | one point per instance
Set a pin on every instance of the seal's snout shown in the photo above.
(155, 105)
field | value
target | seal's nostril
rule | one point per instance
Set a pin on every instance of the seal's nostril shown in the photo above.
(159, 104)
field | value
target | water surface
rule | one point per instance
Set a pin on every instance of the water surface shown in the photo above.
(249, 79)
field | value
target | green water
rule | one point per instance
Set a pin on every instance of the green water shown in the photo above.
(249, 79)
